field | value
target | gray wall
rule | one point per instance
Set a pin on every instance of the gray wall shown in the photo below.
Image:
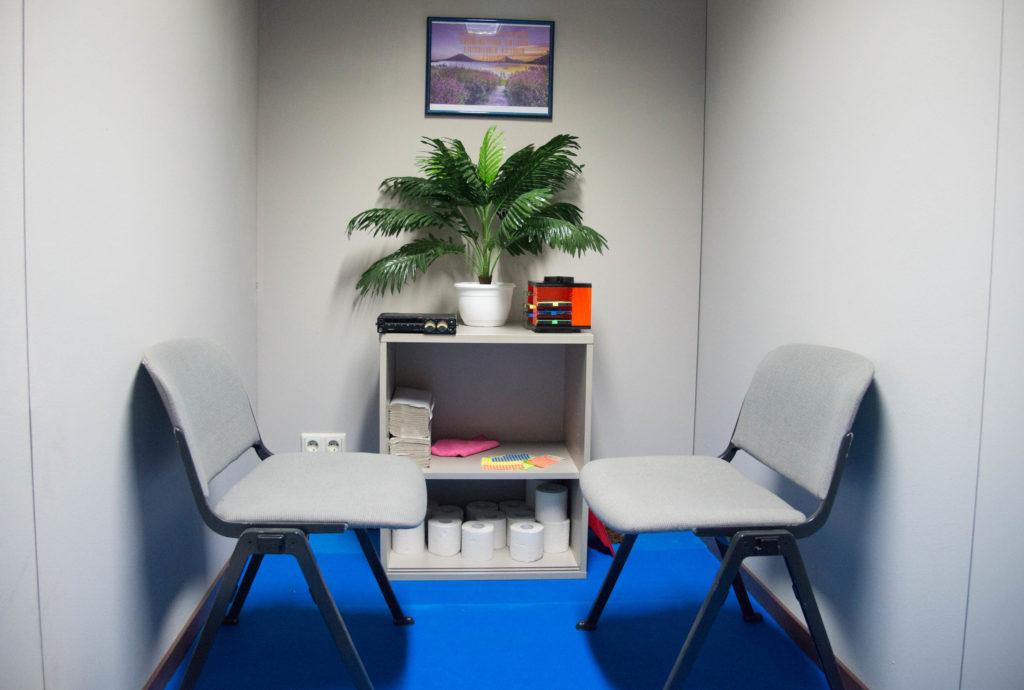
(20, 655)
(863, 167)
(852, 154)
(341, 108)
(994, 624)
(137, 223)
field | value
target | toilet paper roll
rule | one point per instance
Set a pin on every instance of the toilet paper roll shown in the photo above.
(509, 521)
(411, 540)
(496, 519)
(526, 542)
(477, 541)
(444, 536)
(552, 501)
(512, 504)
(556, 536)
(525, 511)
(449, 511)
(531, 491)
(474, 508)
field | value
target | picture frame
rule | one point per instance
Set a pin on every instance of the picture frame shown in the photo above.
(490, 67)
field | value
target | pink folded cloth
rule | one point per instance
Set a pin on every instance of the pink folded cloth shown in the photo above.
(450, 447)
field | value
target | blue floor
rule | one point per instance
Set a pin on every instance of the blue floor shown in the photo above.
(502, 634)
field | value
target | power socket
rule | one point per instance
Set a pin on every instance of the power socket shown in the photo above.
(323, 442)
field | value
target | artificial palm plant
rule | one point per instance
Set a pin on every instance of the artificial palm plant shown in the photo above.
(478, 210)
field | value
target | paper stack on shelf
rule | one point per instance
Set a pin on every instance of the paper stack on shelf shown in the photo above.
(409, 416)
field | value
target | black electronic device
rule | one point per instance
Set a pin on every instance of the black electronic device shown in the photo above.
(429, 324)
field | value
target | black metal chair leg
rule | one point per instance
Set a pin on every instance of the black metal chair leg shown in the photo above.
(298, 546)
(746, 608)
(225, 591)
(243, 589)
(382, 579)
(740, 548)
(815, 624)
(590, 622)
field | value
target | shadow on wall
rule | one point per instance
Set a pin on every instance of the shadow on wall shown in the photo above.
(839, 555)
(172, 546)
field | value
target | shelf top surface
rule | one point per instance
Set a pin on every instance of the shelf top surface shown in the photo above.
(513, 333)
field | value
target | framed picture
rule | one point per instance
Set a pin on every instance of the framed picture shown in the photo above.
(500, 67)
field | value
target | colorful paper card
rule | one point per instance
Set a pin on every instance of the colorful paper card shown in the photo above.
(513, 461)
(542, 461)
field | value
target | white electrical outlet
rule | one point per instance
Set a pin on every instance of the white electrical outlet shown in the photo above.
(323, 442)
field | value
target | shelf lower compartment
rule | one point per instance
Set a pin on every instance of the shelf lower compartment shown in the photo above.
(447, 490)
(428, 566)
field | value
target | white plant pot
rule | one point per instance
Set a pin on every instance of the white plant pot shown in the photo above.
(484, 305)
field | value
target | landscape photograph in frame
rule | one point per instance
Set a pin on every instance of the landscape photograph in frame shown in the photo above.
(501, 67)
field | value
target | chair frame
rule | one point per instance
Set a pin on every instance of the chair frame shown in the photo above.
(735, 545)
(258, 539)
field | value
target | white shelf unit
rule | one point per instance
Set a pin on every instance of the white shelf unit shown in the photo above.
(529, 391)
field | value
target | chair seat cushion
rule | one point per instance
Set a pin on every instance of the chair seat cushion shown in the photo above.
(364, 490)
(678, 493)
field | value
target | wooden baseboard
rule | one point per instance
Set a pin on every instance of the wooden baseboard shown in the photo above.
(792, 625)
(170, 662)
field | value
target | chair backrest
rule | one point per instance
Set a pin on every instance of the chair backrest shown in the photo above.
(206, 401)
(800, 404)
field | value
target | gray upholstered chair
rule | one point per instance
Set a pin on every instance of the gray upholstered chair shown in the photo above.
(795, 419)
(285, 497)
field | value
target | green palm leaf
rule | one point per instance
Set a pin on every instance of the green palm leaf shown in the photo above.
(565, 211)
(557, 233)
(523, 209)
(550, 166)
(448, 164)
(418, 190)
(394, 221)
(573, 239)
(492, 151)
(404, 265)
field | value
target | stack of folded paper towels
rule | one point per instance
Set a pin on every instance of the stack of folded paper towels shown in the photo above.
(409, 416)
(528, 529)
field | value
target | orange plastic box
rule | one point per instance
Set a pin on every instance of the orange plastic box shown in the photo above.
(558, 303)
